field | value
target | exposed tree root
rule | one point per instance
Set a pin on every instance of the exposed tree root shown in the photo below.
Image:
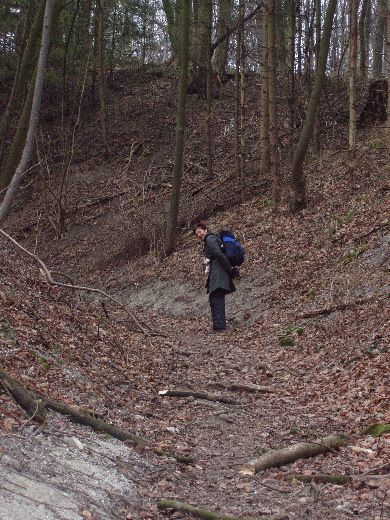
(36, 407)
(206, 515)
(197, 395)
(302, 450)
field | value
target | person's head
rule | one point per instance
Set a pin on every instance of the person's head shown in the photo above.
(200, 230)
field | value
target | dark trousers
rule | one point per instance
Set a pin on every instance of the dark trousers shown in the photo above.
(217, 307)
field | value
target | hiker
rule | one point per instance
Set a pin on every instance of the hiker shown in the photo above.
(220, 276)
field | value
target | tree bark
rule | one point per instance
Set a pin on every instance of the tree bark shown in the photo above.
(223, 23)
(302, 450)
(273, 118)
(170, 236)
(34, 408)
(35, 107)
(265, 161)
(298, 197)
(352, 83)
(25, 67)
(102, 78)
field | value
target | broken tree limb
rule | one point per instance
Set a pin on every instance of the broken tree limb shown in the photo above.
(34, 408)
(338, 480)
(206, 515)
(328, 310)
(114, 431)
(48, 275)
(249, 387)
(197, 395)
(302, 450)
(369, 480)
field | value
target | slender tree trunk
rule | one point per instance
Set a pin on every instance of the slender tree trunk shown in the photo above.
(209, 139)
(292, 75)
(223, 24)
(265, 160)
(352, 82)
(388, 75)
(362, 40)
(170, 237)
(298, 177)
(102, 79)
(239, 105)
(273, 118)
(379, 39)
(36, 102)
(25, 68)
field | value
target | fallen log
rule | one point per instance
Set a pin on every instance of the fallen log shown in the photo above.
(338, 480)
(302, 450)
(250, 387)
(34, 408)
(114, 431)
(369, 480)
(206, 515)
(197, 395)
(328, 310)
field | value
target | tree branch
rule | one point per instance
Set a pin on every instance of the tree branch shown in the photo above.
(52, 282)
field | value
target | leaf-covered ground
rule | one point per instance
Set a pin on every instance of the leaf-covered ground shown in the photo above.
(320, 343)
(309, 320)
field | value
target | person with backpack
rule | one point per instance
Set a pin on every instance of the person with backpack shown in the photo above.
(220, 275)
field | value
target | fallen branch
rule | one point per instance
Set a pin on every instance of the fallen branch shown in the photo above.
(206, 515)
(328, 310)
(52, 282)
(197, 395)
(338, 480)
(369, 480)
(114, 431)
(249, 387)
(302, 450)
(34, 408)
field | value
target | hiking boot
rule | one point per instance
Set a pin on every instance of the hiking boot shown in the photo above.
(216, 331)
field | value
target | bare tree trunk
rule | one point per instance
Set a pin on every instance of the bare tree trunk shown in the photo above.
(363, 40)
(388, 75)
(265, 161)
(209, 139)
(275, 165)
(25, 67)
(223, 24)
(170, 237)
(298, 197)
(379, 39)
(352, 83)
(36, 103)
(102, 79)
(239, 105)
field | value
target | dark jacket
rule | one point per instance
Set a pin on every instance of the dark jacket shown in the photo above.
(220, 267)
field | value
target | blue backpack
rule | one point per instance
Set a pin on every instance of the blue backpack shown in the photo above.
(231, 248)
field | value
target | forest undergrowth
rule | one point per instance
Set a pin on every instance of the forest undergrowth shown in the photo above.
(313, 362)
